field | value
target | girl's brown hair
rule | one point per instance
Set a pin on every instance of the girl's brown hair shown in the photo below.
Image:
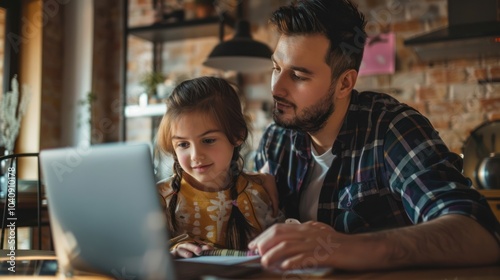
(219, 100)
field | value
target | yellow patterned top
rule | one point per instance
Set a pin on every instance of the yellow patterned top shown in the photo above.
(204, 215)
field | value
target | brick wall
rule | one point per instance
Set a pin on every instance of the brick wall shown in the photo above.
(52, 83)
(106, 72)
(455, 95)
(183, 59)
(106, 77)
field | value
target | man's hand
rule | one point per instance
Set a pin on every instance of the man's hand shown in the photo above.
(298, 246)
(445, 241)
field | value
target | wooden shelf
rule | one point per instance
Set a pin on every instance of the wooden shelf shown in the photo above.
(164, 32)
(158, 34)
(152, 110)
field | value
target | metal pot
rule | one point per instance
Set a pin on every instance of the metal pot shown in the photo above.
(488, 172)
(482, 157)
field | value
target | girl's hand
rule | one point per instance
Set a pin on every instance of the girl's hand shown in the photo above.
(189, 249)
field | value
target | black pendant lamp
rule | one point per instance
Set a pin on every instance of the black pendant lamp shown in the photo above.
(241, 53)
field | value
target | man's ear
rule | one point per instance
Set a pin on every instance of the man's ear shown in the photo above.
(346, 83)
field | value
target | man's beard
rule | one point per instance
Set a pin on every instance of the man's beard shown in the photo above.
(311, 119)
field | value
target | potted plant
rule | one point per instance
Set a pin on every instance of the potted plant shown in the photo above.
(150, 80)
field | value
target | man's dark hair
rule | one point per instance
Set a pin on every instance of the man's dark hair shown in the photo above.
(339, 20)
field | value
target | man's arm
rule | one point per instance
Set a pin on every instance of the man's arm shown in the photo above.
(450, 240)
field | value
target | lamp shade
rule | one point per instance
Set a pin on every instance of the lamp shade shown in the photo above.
(241, 53)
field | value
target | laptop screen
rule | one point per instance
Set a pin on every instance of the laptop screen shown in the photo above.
(105, 211)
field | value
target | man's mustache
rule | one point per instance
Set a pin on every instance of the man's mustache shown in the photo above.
(282, 100)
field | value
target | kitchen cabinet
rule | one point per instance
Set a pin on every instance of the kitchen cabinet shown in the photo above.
(159, 34)
(493, 197)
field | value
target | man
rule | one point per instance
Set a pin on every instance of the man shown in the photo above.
(378, 186)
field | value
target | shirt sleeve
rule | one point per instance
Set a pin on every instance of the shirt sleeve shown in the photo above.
(262, 207)
(428, 176)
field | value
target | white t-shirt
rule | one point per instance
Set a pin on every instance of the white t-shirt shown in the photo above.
(308, 205)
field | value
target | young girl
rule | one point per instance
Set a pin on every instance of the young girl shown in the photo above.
(209, 200)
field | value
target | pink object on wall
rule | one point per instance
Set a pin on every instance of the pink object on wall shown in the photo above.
(379, 55)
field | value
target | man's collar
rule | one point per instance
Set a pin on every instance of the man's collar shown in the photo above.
(349, 124)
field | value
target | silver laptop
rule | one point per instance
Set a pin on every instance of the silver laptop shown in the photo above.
(106, 216)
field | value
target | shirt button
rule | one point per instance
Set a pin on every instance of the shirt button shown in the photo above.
(348, 204)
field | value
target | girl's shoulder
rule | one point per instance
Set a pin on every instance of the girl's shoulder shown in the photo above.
(259, 179)
(247, 180)
(258, 194)
(254, 184)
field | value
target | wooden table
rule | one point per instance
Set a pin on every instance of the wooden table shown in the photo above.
(461, 273)
(478, 273)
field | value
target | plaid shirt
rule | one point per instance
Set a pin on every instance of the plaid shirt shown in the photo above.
(391, 169)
